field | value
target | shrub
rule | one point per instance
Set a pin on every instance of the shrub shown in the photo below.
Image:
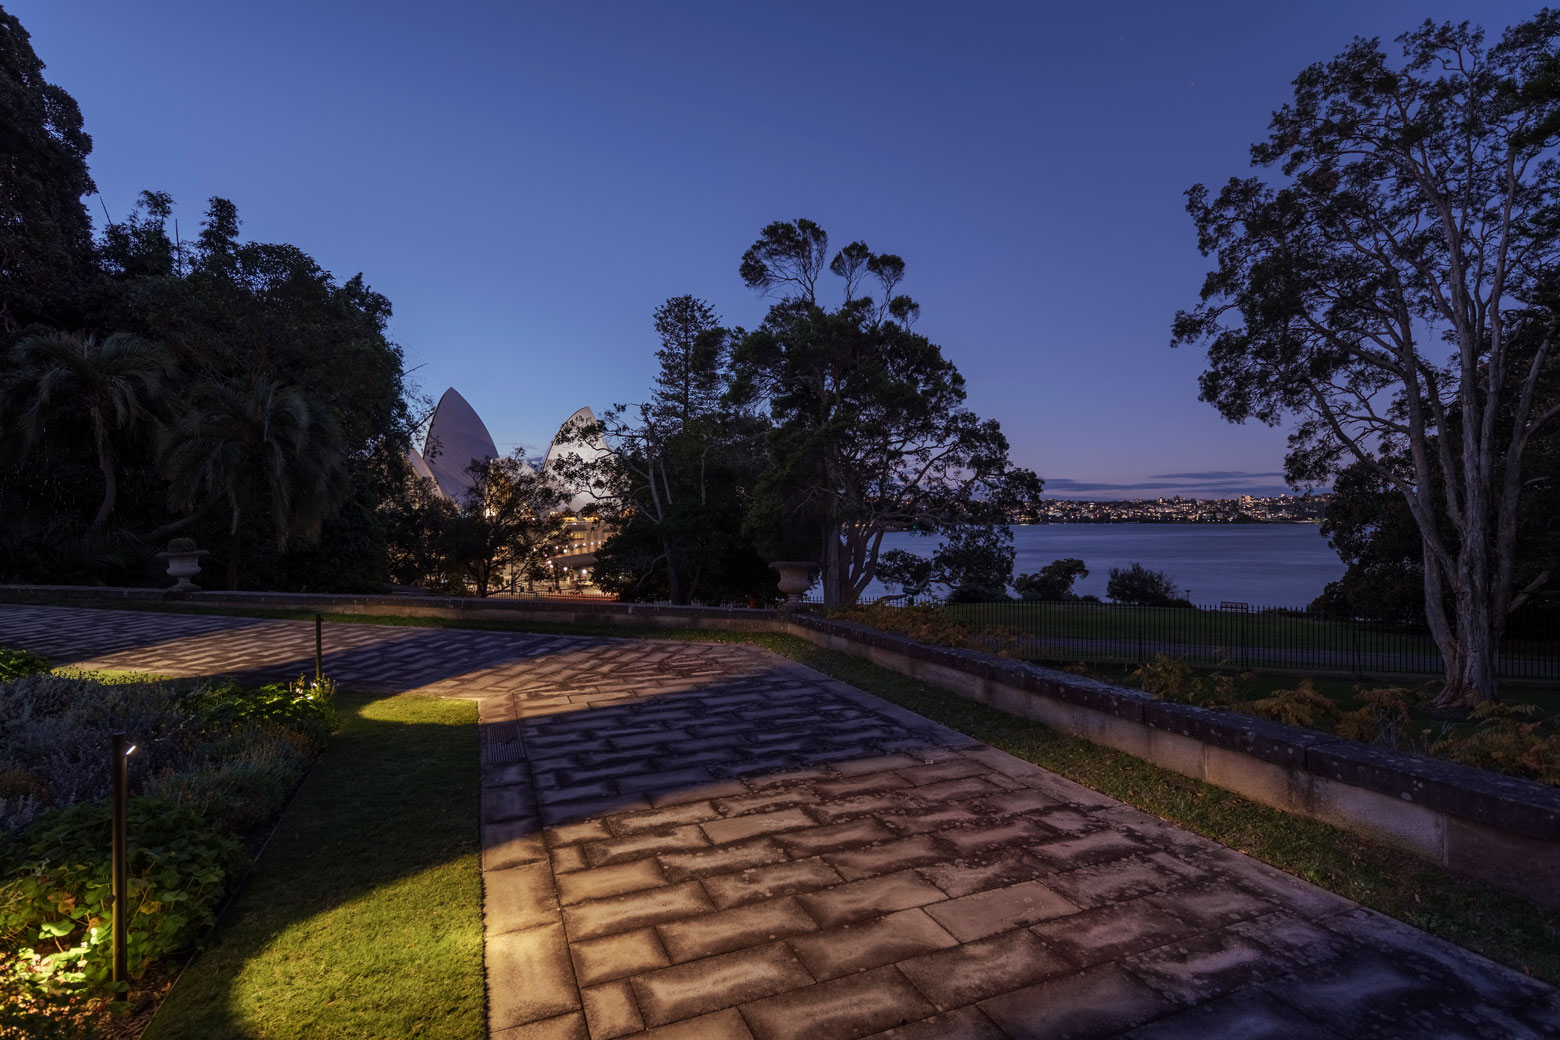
(1054, 581)
(977, 594)
(1302, 706)
(55, 732)
(926, 624)
(304, 705)
(1509, 738)
(1139, 586)
(55, 901)
(1383, 716)
(1172, 679)
(240, 781)
(56, 729)
(15, 664)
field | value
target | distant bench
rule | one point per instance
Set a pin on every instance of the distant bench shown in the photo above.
(1230, 604)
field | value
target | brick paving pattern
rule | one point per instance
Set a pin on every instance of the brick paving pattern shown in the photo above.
(706, 841)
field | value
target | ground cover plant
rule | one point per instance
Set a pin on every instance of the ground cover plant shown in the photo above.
(363, 916)
(212, 763)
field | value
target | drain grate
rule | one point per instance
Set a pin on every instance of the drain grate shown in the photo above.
(504, 752)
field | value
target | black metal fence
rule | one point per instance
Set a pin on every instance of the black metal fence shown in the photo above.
(1232, 635)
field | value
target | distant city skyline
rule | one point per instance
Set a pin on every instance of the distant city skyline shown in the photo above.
(1204, 484)
(526, 184)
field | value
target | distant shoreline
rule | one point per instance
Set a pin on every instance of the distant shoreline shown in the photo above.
(1162, 523)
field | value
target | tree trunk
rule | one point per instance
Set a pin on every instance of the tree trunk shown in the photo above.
(1471, 667)
(232, 561)
(834, 584)
(106, 465)
(673, 579)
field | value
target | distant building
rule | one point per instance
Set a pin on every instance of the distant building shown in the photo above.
(457, 436)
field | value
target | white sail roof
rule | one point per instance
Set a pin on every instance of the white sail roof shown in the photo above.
(567, 443)
(419, 466)
(456, 436)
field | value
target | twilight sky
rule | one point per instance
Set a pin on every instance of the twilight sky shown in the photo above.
(526, 182)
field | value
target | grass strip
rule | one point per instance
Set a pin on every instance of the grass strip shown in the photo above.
(364, 914)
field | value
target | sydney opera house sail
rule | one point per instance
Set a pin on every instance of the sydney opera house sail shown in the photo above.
(575, 442)
(456, 436)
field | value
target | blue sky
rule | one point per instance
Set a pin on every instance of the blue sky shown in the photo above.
(526, 182)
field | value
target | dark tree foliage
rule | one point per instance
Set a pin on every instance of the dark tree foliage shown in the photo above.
(869, 432)
(159, 329)
(45, 233)
(418, 524)
(1380, 291)
(1139, 586)
(1369, 525)
(509, 521)
(1054, 581)
(974, 563)
(681, 467)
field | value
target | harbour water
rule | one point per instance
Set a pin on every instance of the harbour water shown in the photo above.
(1280, 565)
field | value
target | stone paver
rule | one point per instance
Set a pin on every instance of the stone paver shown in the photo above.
(701, 841)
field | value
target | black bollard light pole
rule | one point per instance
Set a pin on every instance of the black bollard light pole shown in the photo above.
(319, 647)
(120, 781)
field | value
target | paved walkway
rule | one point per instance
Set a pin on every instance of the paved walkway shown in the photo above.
(699, 840)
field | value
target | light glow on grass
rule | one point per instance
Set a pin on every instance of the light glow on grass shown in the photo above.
(364, 915)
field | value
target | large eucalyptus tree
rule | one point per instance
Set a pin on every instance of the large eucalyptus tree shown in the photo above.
(1393, 289)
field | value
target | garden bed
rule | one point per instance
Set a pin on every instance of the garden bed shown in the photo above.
(212, 767)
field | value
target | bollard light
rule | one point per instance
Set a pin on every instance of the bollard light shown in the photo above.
(319, 647)
(119, 782)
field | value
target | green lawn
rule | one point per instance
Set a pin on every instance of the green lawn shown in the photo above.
(1109, 632)
(363, 917)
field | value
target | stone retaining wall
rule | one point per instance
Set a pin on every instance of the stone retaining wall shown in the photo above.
(1497, 828)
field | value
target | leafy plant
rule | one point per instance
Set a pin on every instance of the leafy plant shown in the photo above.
(1302, 706)
(1509, 738)
(56, 905)
(1384, 715)
(305, 705)
(16, 664)
(1172, 679)
(30, 1009)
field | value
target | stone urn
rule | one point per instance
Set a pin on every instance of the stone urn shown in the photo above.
(796, 578)
(183, 563)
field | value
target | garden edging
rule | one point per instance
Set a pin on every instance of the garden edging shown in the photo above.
(1497, 828)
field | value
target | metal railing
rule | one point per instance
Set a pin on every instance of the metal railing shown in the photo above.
(1229, 635)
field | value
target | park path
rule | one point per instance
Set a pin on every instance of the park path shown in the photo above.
(684, 840)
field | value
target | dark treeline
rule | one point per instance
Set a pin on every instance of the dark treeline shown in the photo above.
(153, 386)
